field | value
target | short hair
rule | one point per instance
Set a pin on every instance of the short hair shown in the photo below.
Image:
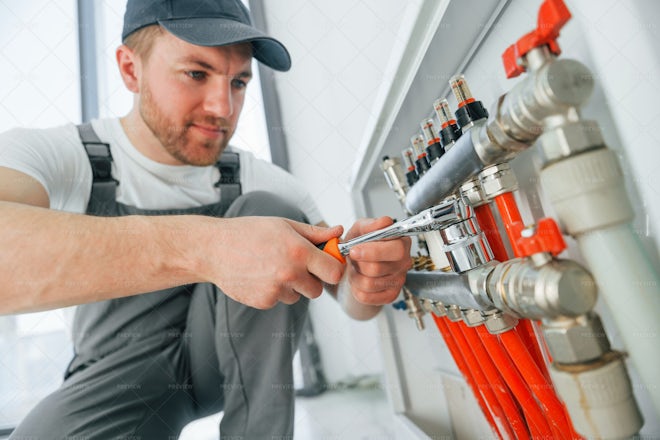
(142, 41)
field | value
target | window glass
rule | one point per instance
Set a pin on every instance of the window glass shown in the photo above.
(40, 88)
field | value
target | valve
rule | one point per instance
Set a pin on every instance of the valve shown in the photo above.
(449, 130)
(409, 161)
(414, 308)
(544, 237)
(553, 15)
(469, 110)
(434, 149)
(422, 162)
(394, 177)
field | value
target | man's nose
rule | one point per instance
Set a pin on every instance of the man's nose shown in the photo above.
(219, 100)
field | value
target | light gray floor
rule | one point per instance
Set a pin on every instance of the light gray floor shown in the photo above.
(347, 414)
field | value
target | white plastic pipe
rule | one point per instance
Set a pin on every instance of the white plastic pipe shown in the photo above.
(631, 288)
(436, 249)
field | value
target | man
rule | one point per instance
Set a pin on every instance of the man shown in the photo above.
(222, 273)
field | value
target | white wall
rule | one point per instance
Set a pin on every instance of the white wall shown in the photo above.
(340, 50)
(618, 42)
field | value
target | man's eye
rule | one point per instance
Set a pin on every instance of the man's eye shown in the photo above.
(239, 84)
(197, 75)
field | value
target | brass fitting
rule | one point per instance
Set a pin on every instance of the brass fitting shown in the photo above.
(576, 340)
(557, 288)
(570, 138)
(497, 179)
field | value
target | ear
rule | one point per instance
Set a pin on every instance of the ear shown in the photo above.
(129, 68)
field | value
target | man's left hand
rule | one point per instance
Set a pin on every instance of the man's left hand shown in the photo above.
(377, 270)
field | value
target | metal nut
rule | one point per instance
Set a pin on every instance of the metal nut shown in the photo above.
(576, 340)
(426, 305)
(571, 138)
(471, 193)
(500, 322)
(497, 179)
(454, 313)
(472, 318)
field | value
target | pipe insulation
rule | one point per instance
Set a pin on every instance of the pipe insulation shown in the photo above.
(600, 398)
(630, 286)
(588, 193)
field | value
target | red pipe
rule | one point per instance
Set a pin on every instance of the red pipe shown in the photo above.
(527, 333)
(463, 367)
(538, 424)
(502, 392)
(481, 380)
(550, 404)
(512, 220)
(508, 209)
(488, 225)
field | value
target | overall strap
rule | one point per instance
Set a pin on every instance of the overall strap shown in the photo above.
(102, 200)
(229, 183)
(104, 186)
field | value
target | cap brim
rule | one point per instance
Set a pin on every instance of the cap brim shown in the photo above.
(222, 32)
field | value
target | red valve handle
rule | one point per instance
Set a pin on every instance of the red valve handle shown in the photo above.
(546, 238)
(553, 15)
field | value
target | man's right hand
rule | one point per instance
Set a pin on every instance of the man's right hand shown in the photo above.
(260, 261)
(51, 259)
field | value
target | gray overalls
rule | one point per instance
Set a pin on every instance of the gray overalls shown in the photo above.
(146, 365)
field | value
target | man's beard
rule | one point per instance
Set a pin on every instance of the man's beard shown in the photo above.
(175, 138)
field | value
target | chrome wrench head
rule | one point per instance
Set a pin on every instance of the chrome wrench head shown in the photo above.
(451, 211)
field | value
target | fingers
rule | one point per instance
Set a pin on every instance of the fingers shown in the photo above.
(362, 226)
(307, 266)
(378, 269)
(289, 298)
(382, 251)
(325, 267)
(308, 286)
(375, 270)
(376, 291)
(316, 234)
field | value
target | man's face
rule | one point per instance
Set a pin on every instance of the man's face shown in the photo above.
(191, 96)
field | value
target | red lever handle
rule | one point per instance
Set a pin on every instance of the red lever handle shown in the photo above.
(546, 238)
(553, 15)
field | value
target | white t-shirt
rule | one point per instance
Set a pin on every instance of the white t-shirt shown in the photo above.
(56, 158)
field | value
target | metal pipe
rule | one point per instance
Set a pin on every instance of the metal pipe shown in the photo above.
(446, 287)
(557, 288)
(553, 87)
(455, 167)
(518, 287)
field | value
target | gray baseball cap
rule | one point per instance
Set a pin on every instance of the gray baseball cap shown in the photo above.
(207, 23)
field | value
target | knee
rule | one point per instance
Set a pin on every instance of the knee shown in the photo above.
(263, 203)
